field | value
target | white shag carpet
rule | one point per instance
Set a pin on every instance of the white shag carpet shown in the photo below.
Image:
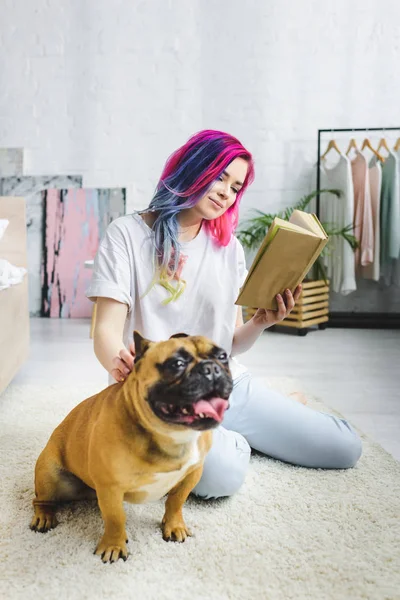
(288, 533)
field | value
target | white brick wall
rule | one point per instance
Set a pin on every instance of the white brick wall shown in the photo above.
(109, 88)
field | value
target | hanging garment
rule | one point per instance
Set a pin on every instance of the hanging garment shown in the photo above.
(363, 224)
(338, 213)
(372, 271)
(396, 268)
(389, 216)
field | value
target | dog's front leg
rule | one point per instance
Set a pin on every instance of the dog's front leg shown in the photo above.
(173, 526)
(112, 545)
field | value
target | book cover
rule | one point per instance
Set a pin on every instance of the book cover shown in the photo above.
(286, 255)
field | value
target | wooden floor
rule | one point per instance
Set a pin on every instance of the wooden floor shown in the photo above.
(356, 371)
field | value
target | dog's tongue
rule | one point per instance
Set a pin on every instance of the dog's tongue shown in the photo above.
(213, 408)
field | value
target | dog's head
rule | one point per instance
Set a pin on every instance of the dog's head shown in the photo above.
(185, 380)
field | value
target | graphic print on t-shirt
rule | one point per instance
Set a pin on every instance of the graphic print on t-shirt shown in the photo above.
(165, 280)
(181, 263)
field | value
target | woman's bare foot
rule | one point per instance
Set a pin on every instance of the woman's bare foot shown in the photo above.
(299, 397)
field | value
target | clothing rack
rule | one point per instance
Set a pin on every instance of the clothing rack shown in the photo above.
(352, 319)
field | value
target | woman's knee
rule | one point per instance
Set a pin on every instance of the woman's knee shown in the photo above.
(350, 452)
(224, 473)
(233, 474)
(347, 450)
(332, 447)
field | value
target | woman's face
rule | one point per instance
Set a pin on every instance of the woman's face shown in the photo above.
(224, 191)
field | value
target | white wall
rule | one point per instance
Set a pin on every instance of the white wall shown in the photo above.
(109, 88)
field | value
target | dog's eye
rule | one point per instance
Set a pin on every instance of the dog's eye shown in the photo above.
(223, 356)
(179, 363)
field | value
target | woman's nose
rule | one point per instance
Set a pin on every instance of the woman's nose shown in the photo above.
(224, 190)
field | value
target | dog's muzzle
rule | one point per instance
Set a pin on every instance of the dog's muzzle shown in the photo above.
(198, 401)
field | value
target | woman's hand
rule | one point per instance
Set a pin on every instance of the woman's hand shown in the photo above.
(123, 363)
(266, 318)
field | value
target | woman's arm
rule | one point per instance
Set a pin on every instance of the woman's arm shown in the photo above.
(108, 333)
(246, 334)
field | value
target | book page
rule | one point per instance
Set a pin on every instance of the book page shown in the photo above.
(293, 226)
(314, 216)
(307, 221)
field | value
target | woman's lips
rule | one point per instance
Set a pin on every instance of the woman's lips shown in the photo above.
(216, 203)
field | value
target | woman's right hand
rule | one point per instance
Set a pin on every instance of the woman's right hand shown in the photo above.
(123, 363)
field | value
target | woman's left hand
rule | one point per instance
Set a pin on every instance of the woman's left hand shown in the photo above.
(266, 318)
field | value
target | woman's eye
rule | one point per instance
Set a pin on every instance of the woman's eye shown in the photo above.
(235, 191)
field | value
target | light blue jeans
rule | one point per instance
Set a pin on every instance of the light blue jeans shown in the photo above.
(278, 426)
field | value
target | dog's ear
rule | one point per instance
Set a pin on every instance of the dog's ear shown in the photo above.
(179, 335)
(141, 345)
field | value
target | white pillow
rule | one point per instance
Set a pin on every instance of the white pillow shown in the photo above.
(10, 274)
(3, 226)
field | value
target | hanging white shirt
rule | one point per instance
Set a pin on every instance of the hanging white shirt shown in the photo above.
(338, 212)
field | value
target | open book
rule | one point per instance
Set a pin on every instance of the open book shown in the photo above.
(286, 254)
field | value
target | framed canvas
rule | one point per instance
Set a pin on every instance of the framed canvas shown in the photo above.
(31, 187)
(74, 223)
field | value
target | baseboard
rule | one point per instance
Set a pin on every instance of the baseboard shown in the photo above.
(364, 320)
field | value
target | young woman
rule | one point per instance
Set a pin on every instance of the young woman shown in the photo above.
(177, 267)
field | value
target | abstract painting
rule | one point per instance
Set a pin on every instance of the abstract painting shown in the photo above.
(74, 223)
(31, 187)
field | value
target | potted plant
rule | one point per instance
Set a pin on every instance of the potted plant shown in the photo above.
(312, 307)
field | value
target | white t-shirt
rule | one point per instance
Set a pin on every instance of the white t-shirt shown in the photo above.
(213, 274)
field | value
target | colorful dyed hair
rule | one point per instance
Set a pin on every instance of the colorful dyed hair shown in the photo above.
(187, 176)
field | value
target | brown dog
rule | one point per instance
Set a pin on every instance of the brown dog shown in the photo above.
(139, 440)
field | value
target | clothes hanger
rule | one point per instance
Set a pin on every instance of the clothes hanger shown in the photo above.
(367, 144)
(332, 145)
(352, 144)
(383, 144)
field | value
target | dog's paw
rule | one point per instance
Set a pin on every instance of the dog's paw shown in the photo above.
(110, 551)
(175, 531)
(43, 521)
